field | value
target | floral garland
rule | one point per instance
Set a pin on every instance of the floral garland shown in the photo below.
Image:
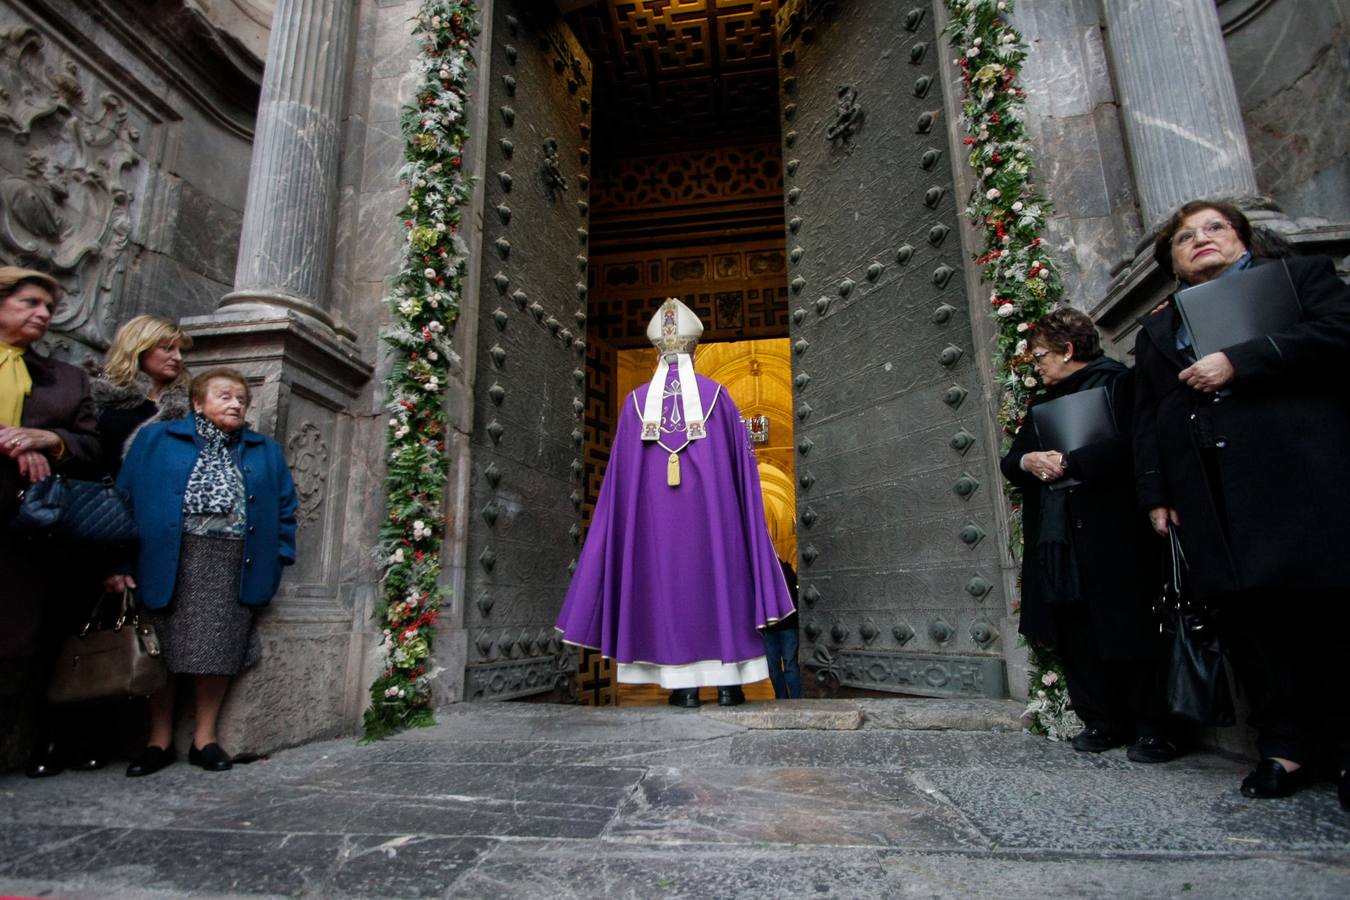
(1024, 281)
(423, 306)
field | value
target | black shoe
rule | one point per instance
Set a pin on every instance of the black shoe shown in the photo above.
(45, 762)
(150, 761)
(211, 758)
(1152, 750)
(1095, 740)
(686, 698)
(1343, 790)
(730, 696)
(1270, 779)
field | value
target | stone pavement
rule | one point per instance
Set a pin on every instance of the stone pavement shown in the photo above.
(918, 799)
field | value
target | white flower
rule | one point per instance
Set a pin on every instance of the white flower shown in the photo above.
(993, 194)
(1002, 7)
(1006, 310)
(1043, 273)
(432, 383)
(430, 273)
(435, 21)
(973, 51)
(1022, 327)
(1017, 206)
(435, 327)
(1022, 344)
(433, 355)
(397, 557)
(989, 170)
(1049, 678)
(440, 226)
(979, 41)
(1030, 381)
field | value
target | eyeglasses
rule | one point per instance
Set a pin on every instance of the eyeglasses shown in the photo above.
(1210, 230)
(1039, 355)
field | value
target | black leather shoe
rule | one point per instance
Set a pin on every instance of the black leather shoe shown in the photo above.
(211, 758)
(730, 696)
(1095, 740)
(1152, 750)
(686, 698)
(45, 762)
(150, 761)
(1270, 779)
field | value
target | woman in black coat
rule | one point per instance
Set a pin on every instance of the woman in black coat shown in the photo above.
(47, 426)
(1244, 451)
(1089, 562)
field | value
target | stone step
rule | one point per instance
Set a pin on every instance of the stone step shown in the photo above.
(899, 714)
(812, 715)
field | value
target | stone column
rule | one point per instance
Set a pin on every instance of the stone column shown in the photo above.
(1179, 103)
(280, 329)
(286, 248)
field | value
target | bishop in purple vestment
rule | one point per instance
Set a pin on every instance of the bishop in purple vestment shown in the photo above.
(678, 572)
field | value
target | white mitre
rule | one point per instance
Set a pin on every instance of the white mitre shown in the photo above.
(675, 331)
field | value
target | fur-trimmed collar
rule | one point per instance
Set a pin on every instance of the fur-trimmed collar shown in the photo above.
(173, 403)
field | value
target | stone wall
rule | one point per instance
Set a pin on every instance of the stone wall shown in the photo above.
(1074, 123)
(1291, 63)
(122, 169)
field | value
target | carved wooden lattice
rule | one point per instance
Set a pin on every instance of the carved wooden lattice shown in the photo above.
(726, 174)
(677, 68)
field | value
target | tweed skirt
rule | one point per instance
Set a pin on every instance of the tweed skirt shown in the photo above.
(205, 630)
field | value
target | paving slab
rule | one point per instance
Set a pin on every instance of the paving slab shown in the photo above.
(529, 800)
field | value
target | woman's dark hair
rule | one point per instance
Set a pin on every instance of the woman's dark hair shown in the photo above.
(1162, 244)
(1058, 329)
(200, 383)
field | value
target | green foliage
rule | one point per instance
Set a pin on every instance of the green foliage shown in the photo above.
(423, 308)
(1023, 279)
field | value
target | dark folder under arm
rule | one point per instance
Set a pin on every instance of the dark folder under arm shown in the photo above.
(1249, 304)
(1073, 422)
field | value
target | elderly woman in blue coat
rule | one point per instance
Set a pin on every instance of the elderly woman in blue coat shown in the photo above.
(215, 506)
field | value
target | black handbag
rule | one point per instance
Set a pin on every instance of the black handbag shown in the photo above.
(109, 662)
(1196, 678)
(94, 512)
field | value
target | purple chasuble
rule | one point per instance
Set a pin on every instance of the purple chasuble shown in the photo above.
(673, 582)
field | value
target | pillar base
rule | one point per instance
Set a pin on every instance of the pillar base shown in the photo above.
(304, 379)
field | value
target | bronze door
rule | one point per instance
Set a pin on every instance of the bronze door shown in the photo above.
(529, 405)
(899, 568)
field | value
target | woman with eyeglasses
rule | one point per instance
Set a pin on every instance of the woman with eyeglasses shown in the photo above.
(1086, 589)
(1243, 452)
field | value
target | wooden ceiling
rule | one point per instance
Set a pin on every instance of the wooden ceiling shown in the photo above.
(696, 72)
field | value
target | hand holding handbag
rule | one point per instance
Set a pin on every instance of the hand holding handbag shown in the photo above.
(109, 663)
(91, 511)
(1197, 680)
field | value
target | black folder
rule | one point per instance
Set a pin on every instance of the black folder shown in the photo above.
(1072, 422)
(1249, 304)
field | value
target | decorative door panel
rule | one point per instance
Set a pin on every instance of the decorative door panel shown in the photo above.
(898, 565)
(529, 386)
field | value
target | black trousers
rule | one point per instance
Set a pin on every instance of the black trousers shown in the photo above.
(1287, 651)
(1123, 697)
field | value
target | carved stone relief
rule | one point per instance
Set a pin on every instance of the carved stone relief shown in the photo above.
(70, 148)
(308, 455)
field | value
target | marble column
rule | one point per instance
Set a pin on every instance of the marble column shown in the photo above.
(1179, 104)
(286, 247)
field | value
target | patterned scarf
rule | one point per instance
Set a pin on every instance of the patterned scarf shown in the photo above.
(213, 485)
(15, 384)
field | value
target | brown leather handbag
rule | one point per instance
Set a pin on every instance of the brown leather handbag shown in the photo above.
(109, 662)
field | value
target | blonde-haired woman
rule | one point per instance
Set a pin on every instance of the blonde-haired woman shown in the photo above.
(143, 381)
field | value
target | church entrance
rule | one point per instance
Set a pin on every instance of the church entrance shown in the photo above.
(783, 167)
